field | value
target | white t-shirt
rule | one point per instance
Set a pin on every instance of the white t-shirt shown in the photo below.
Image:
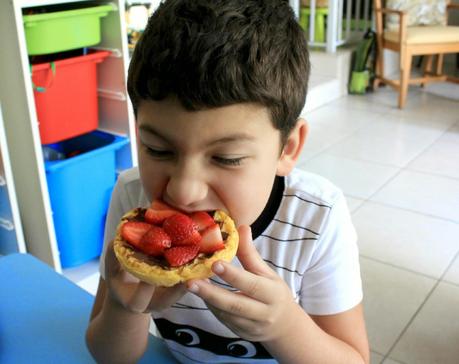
(311, 243)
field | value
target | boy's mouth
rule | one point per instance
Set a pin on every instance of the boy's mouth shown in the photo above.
(190, 211)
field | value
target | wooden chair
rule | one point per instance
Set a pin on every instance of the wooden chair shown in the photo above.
(426, 40)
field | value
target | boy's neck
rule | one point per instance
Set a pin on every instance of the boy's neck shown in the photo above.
(268, 213)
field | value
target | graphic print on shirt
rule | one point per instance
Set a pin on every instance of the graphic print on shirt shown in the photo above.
(194, 337)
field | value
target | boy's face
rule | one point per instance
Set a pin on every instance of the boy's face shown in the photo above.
(223, 158)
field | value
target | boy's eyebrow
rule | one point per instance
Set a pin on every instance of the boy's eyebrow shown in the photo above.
(147, 128)
(233, 138)
(236, 137)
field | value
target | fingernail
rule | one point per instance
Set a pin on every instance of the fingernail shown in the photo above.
(193, 288)
(218, 268)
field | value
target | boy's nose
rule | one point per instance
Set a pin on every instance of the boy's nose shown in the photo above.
(186, 188)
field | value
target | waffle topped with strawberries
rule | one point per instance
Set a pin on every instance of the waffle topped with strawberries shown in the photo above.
(165, 246)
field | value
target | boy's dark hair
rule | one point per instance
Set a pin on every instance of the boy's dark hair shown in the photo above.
(212, 53)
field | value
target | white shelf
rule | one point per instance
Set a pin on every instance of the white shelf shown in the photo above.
(9, 220)
(21, 125)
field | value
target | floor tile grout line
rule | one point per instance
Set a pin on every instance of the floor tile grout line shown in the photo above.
(400, 170)
(394, 360)
(408, 270)
(405, 166)
(380, 164)
(437, 283)
(425, 275)
(403, 209)
(390, 179)
(411, 320)
(450, 283)
(391, 110)
(376, 352)
(432, 174)
(341, 139)
(453, 260)
(324, 150)
(362, 109)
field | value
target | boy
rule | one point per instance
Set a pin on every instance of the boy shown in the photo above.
(217, 87)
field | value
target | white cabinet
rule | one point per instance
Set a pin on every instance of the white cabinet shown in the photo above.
(20, 121)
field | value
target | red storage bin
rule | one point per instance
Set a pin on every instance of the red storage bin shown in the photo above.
(65, 93)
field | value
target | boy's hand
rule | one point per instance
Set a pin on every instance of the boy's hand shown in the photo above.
(264, 307)
(133, 294)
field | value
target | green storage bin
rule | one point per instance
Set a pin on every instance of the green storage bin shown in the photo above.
(58, 31)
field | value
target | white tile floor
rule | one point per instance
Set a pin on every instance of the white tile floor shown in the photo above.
(400, 172)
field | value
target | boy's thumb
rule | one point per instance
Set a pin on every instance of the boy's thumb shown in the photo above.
(248, 254)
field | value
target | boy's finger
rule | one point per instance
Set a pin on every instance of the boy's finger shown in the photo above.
(130, 291)
(252, 285)
(164, 297)
(112, 266)
(227, 301)
(141, 297)
(248, 254)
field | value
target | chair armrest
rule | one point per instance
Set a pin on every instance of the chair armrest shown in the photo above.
(402, 21)
(449, 10)
(400, 13)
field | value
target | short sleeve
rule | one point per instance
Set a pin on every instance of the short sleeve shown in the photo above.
(115, 212)
(127, 194)
(332, 282)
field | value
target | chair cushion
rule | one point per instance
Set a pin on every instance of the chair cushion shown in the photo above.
(427, 34)
(420, 12)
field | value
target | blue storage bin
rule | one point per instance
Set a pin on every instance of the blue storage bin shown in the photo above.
(80, 187)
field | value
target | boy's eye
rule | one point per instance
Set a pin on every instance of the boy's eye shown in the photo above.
(229, 161)
(158, 153)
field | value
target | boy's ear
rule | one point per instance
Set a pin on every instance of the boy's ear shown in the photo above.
(292, 148)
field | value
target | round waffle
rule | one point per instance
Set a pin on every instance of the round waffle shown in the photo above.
(160, 274)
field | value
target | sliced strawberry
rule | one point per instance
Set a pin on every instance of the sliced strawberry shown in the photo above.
(212, 240)
(193, 239)
(181, 229)
(179, 255)
(158, 212)
(155, 241)
(133, 231)
(202, 220)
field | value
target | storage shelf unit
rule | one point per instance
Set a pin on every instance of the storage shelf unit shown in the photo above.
(21, 125)
(11, 236)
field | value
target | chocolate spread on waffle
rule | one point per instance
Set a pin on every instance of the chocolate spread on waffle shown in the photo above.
(139, 216)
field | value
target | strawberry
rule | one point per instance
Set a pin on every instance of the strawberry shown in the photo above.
(179, 255)
(155, 241)
(158, 212)
(212, 240)
(202, 220)
(181, 229)
(133, 231)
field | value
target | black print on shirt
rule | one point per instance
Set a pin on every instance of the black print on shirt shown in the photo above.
(194, 337)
